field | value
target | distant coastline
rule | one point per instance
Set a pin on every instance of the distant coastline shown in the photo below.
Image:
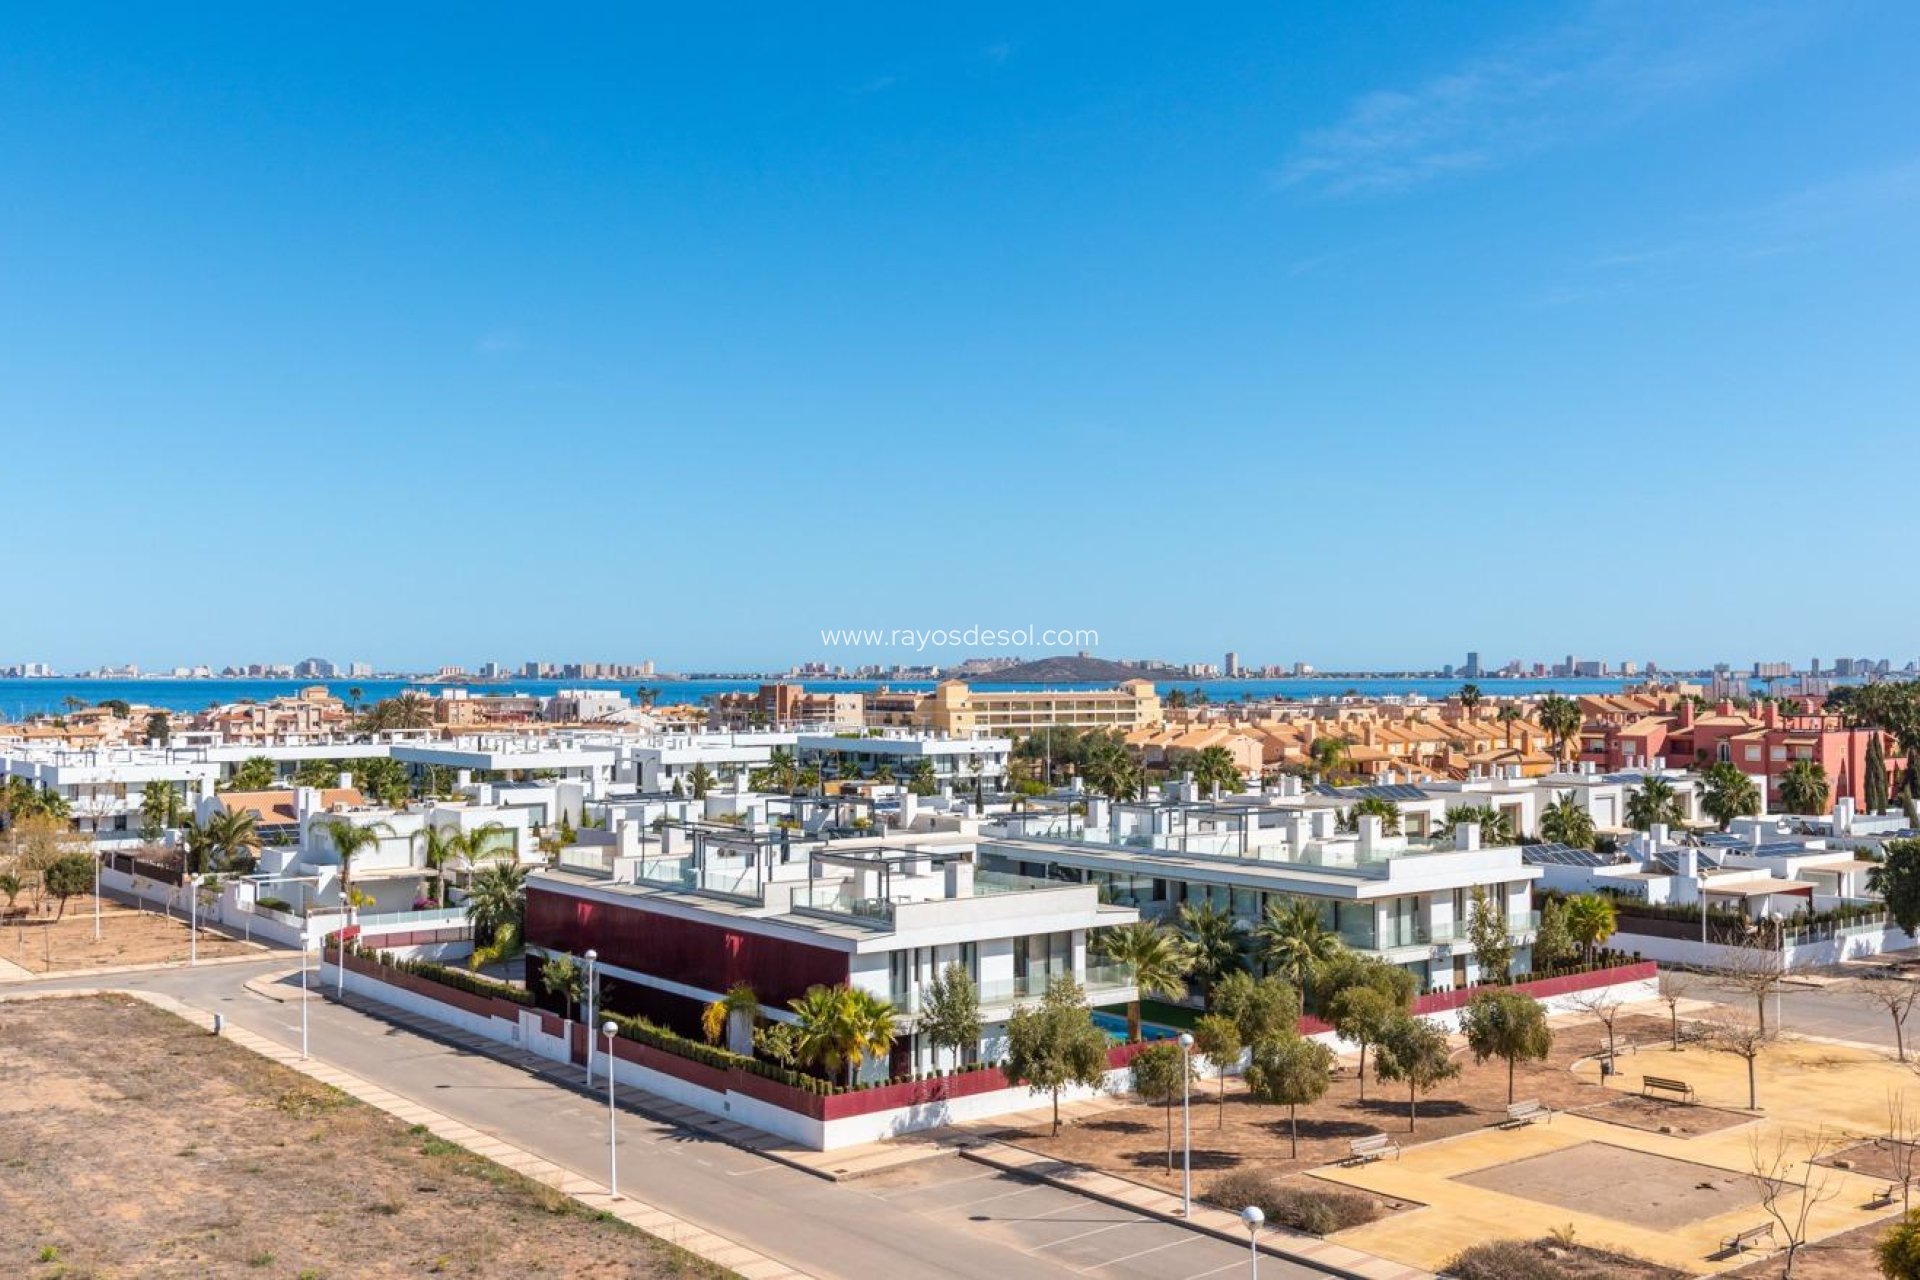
(21, 698)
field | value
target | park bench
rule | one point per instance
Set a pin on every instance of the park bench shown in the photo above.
(1373, 1147)
(1739, 1242)
(1884, 1196)
(1661, 1084)
(1528, 1111)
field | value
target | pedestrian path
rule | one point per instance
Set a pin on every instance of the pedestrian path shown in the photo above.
(1295, 1246)
(654, 1221)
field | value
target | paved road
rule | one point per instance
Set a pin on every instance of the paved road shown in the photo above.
(1820, 1011)
(945, 1217)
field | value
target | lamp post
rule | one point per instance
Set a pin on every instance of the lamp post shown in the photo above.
(193, 920)
(593, 959)
(303, 996)
(96, 890)
(1186, 1125)
(613, 1141)
(1252, 1216)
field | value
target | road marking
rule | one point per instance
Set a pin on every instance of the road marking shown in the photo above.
(989, 1199)
(934, 1186)
(1184, 1238)
(1111, 1226)
(1231, 1266)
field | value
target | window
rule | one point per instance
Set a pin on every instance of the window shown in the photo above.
(1779, 753)
(1753, 753)
(1726, 754)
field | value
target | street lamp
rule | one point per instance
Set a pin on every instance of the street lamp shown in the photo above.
(303, 995)
(193, 919)
(593, 958)
(1186, 1125)
(608, 1029)
(1252, 1216)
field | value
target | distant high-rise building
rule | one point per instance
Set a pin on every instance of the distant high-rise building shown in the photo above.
(1472, 670)
(1232, 664)
(314, 669)
(359, 670)
(1813, 667)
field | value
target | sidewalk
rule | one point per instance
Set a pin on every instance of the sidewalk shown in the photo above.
(1313, 1251)
(12, 973)
(840, 1165)
(656, 1222)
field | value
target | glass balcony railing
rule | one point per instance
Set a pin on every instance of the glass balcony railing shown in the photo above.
(838, 899)
(1098, 982)
(1413, 933)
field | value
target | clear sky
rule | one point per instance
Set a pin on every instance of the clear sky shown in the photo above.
(1360, 334)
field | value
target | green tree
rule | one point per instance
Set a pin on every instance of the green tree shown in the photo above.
(384, 779)
(1591, 920)
(1329, 756)
(1897, 880)
(232, 838)
(1560, 716)
(843, 1026)
(437, 851)
(950, 1014)
(1292, 1072)
(1487, 931)
(1876, 775)
(1566, 822)
(1055, 1045)
(349, 841)
(497, 906)
(159, 727)
(1509, 1025)
(1898, 1251)
(1161, 1077)
(68, 876)
(159, 809)
(1496, 825)
(1414, 1053)
(1652, 802)
(700, 781)
(1362, 1014)
(1218, 1036)
(320, 774)
(1378, 807)
(255, 773)
(920, 779)
(1211, 767)
(1728, 793)
(1469, 696)
(1292, 941)
(1213, 940)
(561, 975)
(1553, 945)
(1113, 771)
(731, 1018)
(1803, 788)
(1157, 959)
(1259, 1010)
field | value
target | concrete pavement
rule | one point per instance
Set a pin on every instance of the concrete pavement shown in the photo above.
(859, 1229)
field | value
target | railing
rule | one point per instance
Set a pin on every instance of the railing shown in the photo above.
(1096, 980)
(838, 899)
(413, 919)
(594, 862)
(1412, 933)
(1794, 936)
(988, 883)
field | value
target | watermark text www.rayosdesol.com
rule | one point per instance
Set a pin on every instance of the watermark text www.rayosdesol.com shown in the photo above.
(974, 637)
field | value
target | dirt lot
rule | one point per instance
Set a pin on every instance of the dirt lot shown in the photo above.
(127, 936)
(177, 1154)
(1625, 1185)
(1131, 1140)
(1664, 1115)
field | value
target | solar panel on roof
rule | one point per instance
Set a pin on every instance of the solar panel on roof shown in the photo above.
(1561, 855)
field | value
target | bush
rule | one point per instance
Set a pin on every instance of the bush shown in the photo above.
(1311, 1209)
(459, 979)
(1506, 1260)
(274, 904)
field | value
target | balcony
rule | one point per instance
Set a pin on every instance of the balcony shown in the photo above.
(1102, 984)
(1403, 934)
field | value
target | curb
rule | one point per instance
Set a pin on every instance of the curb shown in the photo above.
(722, 1252)
(161, 966)
(1268, 1246)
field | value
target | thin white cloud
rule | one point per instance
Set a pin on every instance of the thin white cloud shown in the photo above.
(1614, 63)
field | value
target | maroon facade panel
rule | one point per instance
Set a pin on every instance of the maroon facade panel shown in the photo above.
(710, 956)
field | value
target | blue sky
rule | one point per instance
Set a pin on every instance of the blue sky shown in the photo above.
(1355, 334)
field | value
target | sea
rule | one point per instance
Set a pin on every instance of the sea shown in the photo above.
(22, 698)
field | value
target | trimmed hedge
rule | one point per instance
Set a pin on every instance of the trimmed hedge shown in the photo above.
(459, 979)
(640, 1031)
(1310, 1209)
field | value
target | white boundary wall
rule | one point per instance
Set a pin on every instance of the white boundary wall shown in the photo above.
(1709, 955)
(820, 1135)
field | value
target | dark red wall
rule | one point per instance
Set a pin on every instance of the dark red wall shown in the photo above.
(710, 956)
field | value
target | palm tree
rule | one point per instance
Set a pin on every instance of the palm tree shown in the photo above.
(1113, 772)
(1590, 921)
(883, 773)
(1469, 696)
(1214, 940)
(1378, 807)
(1729, 793)
(781, 767)
(1560, 716)
(483, 843)
(846, 765)
(1803, 788)
(719, 1017)
(232, 835)
(354, 694)
(1156, 957)
(1496, 825)
(1655, 802)
(1329, 756)
(1214, 766)
(497, 907)
(1292, 940)
(920, 780)
(437, 851)
(842, 1027)
(700, 781)
(1565, 822)
(350, 841)
(1508, 715)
